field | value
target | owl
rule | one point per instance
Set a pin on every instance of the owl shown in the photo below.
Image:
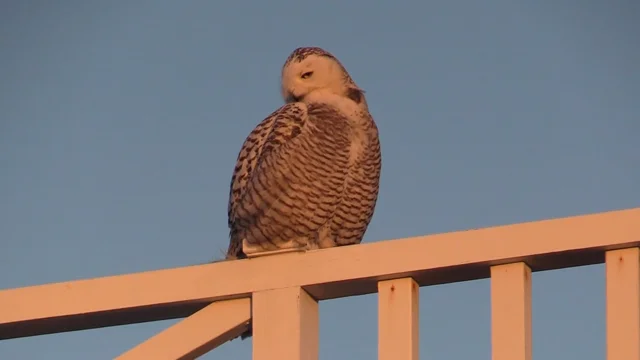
(307, 176)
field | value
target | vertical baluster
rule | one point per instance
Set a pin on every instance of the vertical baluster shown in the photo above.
(623, 304)
(398, 319)
(511, 312)
(285, 325)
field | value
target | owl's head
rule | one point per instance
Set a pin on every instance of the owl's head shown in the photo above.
(312, 70)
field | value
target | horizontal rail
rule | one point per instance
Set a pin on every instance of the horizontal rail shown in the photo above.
(324, 274)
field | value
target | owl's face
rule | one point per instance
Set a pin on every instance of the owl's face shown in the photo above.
(313, 73)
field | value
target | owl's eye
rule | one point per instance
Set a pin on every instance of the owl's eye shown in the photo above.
(307, 74)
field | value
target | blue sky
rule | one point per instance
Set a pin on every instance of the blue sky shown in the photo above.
(120, 123)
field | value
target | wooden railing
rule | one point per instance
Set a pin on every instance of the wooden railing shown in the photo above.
(278, 295)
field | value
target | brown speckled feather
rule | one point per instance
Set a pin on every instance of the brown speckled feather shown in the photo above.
(356, 208)
(295, 180)
(307, 176)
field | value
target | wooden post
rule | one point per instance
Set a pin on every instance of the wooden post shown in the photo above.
(511, 312)
(623, 304)
(285, 325)
(398, 319)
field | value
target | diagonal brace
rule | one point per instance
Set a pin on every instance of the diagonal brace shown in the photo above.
(198, 334)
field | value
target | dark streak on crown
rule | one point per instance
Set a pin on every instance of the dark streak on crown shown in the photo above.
(302, 53)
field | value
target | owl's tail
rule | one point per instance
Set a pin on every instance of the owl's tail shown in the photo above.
(247, 334)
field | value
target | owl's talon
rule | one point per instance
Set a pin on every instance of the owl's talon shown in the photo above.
(256, 251)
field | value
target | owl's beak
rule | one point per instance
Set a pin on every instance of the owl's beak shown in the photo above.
(293, 98)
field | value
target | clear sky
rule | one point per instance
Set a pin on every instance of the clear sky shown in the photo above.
(120, 123)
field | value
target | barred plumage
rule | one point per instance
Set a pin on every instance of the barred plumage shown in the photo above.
(308, 175)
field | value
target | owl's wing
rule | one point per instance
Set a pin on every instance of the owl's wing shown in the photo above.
(289, 177)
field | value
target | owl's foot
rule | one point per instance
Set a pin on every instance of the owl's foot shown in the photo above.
(252, 250)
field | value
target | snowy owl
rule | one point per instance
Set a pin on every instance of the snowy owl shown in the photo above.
(307, 176)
